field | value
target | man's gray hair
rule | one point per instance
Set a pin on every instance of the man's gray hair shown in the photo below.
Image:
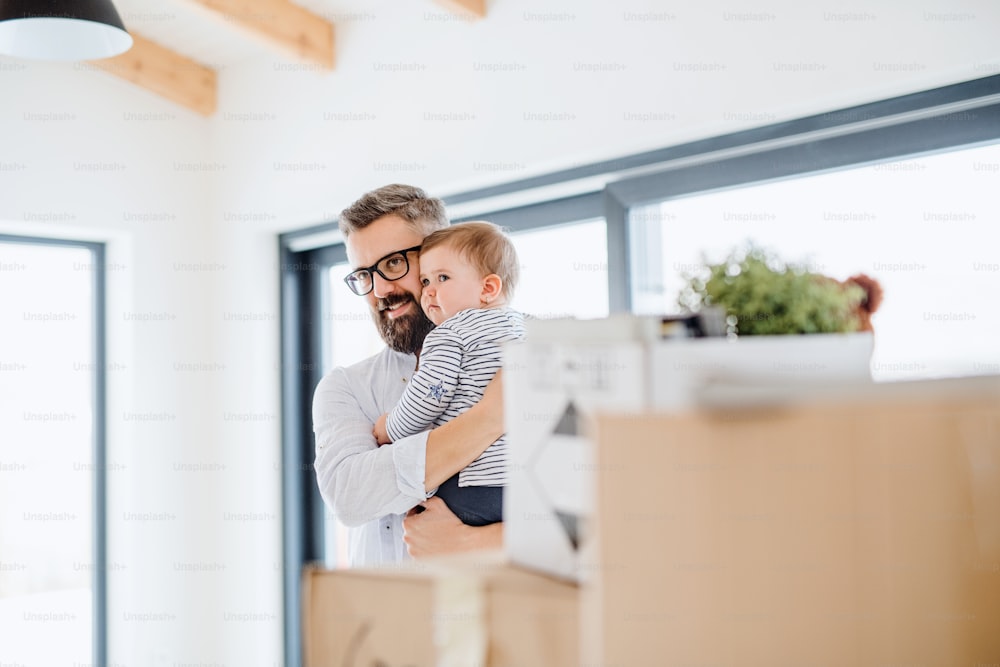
(425, 214)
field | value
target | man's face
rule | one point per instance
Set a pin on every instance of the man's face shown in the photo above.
(395, 304)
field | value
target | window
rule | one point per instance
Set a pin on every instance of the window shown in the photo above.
(924, 227)
(618, 233)
(51, 453)
(564, 270)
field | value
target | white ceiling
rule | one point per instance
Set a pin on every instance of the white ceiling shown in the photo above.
(207, 36)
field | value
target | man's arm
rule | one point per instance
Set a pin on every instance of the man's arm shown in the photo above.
(358, 480)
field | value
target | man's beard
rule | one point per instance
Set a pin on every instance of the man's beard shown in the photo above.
(405, 333)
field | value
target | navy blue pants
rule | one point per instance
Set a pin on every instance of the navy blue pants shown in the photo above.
(474, 505)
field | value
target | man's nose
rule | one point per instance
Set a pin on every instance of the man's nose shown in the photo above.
(382, 287)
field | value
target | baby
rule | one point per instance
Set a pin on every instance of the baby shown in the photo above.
(468, 272)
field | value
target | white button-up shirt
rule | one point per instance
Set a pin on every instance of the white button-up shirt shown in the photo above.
(369, 488)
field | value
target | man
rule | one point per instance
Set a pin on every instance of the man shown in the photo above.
(371, 488)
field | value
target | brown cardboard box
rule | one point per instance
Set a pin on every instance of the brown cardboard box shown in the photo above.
(864, 531)
(363, 617)
(470, 611)
(568, 369)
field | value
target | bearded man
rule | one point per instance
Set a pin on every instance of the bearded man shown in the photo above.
(376, 490)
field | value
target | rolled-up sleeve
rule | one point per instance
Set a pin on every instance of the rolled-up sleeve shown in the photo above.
(358, 480)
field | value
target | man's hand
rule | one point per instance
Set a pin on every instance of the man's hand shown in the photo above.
(381, 436)
(437, 531)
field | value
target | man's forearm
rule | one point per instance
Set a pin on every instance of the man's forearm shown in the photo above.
(487, 537)
(453, 446)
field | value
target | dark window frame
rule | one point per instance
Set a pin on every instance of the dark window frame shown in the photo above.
(99, 579)
(947, 118)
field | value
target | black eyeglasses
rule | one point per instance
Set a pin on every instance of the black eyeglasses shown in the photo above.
(391, 267)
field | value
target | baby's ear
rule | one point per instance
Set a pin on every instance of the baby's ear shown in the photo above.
(492, 289)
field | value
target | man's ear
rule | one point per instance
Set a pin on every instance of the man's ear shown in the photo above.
(492, 288)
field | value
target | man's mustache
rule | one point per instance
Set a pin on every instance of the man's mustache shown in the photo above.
(389, 302)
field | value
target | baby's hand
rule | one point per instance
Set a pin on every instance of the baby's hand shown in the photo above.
(381, 437)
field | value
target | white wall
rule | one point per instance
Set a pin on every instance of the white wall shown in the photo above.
(416, 97)
(87, 156)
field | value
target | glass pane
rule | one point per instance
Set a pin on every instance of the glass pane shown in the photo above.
(349, 335)
(926, 228)
(46, 454)
(564, 272)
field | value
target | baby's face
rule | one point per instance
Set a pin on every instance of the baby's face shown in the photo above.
(450, 284)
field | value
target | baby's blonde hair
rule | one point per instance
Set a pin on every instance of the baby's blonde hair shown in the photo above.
(482, 244)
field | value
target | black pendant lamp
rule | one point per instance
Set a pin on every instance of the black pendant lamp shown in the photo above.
(61, 29)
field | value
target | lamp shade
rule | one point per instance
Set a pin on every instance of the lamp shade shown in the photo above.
(61, 29)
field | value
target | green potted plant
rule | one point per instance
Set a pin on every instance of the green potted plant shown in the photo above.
(763, 295)
(765, 299)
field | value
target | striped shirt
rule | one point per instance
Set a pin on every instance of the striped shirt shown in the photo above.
(457, 361)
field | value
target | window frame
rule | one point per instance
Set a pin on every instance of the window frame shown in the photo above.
(99, 579)
(950, 117)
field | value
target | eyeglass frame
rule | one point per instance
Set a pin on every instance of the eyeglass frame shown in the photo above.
(373, 269)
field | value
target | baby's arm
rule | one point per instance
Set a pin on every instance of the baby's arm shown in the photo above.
(430, 391)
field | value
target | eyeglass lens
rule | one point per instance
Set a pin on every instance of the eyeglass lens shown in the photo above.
(393, 267)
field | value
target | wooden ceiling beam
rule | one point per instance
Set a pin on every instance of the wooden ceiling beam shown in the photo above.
(283, 24)
(468, 8)
(166, 73)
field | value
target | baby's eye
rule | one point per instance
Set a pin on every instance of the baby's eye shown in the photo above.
(442, 278)
(425, 282)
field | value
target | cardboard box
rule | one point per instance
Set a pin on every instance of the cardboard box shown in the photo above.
(567, 370)
(861, 531)
(470, 611)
